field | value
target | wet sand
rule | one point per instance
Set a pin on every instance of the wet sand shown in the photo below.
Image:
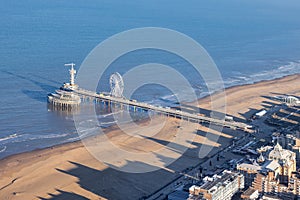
(69, 171)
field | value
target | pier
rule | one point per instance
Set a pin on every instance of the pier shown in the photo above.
(163, 110)
(71, 94)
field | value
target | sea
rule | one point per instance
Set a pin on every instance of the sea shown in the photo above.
(249, 41)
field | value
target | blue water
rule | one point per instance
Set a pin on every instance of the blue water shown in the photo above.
(249, 40)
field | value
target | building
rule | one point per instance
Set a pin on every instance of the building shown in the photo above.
(250, 194)
(270, 197)
(64, 99)
(289, 100)
(219, 187)
(249, 171)
(274, 173)
(290, 141)
(260, 113)
(268, 184)
(287, 161)
(280, 161)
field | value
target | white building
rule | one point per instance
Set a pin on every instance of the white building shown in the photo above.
(219, 187)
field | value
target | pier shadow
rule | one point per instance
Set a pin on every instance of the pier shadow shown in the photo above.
(206, 112)
(36, 95)
(43, 86)
(46, 78)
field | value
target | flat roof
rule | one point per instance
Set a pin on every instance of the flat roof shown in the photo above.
(217, 180)
(249, 166)
(249, 191)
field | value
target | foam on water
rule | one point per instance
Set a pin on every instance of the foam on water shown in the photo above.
(237, 78)
(109, 114)
(29, 72)
(284, 70)
(12, 136)
(2, 149)
(31, 137)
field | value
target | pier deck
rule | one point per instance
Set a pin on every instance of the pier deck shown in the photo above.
(164, 110)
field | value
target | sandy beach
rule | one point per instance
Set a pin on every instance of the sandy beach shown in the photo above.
(69, 171)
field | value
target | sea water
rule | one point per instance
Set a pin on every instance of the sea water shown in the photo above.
(249, 41)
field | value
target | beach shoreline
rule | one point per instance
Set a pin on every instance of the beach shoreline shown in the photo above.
(34, 174)
(204, 98)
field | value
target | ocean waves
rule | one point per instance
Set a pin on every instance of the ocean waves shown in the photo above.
(281, 71)
(51, 132)
(9, 137)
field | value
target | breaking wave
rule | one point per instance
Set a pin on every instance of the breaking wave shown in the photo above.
(9, 137)
(281, 71)
(3, 149)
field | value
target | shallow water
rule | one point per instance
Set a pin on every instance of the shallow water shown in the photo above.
(249, 41)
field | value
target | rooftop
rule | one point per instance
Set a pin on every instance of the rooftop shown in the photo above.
(279, 153)
(219, 180)
(246, 166)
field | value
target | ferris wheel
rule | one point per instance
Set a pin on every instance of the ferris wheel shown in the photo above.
(116, 85)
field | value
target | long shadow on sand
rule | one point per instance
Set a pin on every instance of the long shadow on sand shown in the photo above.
(113, 184)
(63, 195)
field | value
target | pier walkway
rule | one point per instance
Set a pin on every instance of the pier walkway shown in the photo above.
(164, 110)
(69, 96)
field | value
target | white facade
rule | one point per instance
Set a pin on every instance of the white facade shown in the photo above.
(221, 187)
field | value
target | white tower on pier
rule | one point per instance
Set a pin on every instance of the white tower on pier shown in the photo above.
(72, 73)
